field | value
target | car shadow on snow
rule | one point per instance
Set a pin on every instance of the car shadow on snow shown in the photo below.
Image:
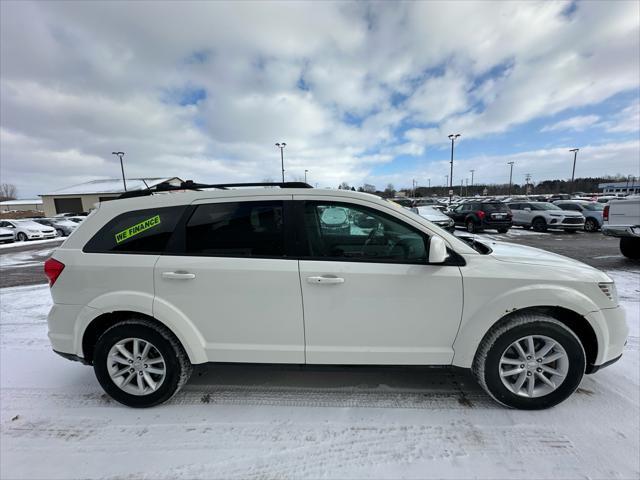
(334, 386)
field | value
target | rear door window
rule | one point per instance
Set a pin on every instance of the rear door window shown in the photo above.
(495, 207)
(139, 231)
(238, 229)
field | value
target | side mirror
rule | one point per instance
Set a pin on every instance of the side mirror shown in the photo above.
(437, 250)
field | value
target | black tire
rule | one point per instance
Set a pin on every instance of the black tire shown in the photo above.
(630, 247)
(486, 364)
(591, 225)
(470, 225)
(503, 230)
(539, 224)
(177, 365)
(571, 230)
(22, 237)
(60, 232)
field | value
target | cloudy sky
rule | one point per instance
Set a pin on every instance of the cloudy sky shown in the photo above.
(360, 92)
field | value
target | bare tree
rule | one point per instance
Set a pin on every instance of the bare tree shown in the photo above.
(367, 187)
(8, 191)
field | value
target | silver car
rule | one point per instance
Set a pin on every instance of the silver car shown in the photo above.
(592, 212)
(435, 216)
(542, 216)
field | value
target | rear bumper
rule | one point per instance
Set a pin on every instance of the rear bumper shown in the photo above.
(497, 224)
(621, 230)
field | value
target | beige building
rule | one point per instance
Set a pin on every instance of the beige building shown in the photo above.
(83, 197)
(21, 205)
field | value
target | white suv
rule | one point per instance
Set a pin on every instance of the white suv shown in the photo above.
(147, 287)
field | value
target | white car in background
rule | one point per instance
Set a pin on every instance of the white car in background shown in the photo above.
(622, 220)
(435, 216)
(28, 230)
(7, 235)
(542, 216)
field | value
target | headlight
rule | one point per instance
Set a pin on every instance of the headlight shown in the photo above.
(32, 231)
(609, 289)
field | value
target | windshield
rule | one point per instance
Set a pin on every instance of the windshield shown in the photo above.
(594, 207)
(544, 206)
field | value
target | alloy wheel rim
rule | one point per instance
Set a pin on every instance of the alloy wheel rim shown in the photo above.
(136, 366)
(533, 366)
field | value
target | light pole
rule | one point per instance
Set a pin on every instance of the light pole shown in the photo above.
(120, 155)
(452, 137)
(472, 179)
(510, 176)
(446, 183)
(573, 172)
(281, 147)
(305, 176)
(429, 180)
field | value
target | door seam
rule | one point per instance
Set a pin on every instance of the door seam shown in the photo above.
(304, 327)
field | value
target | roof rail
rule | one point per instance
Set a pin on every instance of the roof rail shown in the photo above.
(191, 185)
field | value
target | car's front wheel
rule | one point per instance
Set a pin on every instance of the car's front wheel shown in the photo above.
(530, 362)
(503, 230)
(140, 363)
(539, 224)
(471, 226)
(22, 237)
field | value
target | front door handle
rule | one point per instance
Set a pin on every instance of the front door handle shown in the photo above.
(178, 275)
(325, 280)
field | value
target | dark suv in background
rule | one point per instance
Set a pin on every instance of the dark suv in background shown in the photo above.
(478, 216)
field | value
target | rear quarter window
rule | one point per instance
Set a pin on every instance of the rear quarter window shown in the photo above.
(139, 231)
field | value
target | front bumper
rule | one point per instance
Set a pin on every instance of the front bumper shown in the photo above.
(612, 336)
(40, 236)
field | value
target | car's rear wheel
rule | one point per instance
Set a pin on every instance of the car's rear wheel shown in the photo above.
(503, 230)
(140, 364)
(630, 247)
(591, 225)
(471, 226)
(530, 362)
(22, 237)
(539, 224)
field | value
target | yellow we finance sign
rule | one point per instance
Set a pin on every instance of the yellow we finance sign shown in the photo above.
(137, 228)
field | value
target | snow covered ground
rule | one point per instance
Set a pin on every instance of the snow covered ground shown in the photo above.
(287, 422)
(9, 246)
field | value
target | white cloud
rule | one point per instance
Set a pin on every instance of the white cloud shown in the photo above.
(578, 123)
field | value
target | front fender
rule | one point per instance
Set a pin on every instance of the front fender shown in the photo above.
(480, 315)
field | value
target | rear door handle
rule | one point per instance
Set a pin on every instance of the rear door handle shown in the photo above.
(178, 275)
(325, 280)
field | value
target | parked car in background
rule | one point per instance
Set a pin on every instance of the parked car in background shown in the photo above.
(435, 216)
(71, 214)
(476, 216)
(542, 216)
(622, 219)
(63, 226)
(591, 211)
(28, 230)
(7, 235)
(76, 219)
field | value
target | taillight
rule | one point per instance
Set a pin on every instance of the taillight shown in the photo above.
(605, 213)
(52, 269)
(480, 214)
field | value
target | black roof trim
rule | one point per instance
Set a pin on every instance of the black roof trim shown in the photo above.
(191, 185)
